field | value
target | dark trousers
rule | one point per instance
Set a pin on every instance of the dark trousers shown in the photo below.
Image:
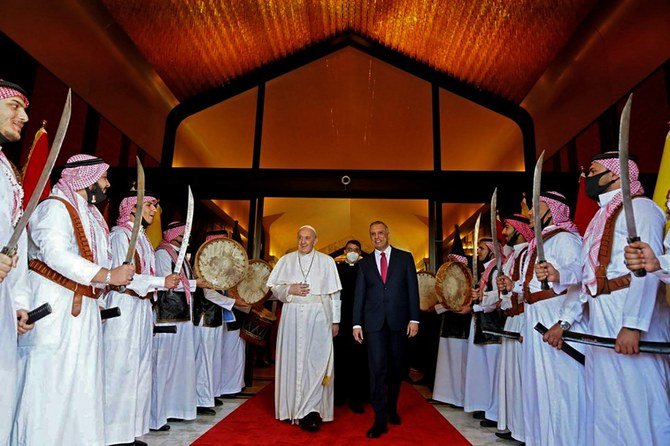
(388, 365)
(351, 370)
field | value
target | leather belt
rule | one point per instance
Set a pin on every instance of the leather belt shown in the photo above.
(78, 289)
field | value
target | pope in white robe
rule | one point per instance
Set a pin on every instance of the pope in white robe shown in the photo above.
(627, 394)
(127, 339)
(553, 382)
(481, 378)
(61, 393)
(173, 393)
(308, 284)
(15, 291)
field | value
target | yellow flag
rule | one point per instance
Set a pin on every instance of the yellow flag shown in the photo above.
(663, 180)
(154, 230)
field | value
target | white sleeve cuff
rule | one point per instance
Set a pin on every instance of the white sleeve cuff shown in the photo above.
(337, 308)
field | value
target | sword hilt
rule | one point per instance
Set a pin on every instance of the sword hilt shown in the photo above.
(544, 284)
(9, 252)
(122, 288)
(638, 272)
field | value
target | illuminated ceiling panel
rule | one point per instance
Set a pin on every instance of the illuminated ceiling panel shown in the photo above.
(500, 47)
(347, 110)
(340, 219)
(476, 138)
(220, 136)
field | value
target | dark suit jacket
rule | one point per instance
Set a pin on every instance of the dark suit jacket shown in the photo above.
(396, 301)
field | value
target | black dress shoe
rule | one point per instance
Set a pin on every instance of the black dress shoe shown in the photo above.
(140, 443)
(218, 402)
(488, 423)
(453, 406)
(206, 411)
(504, 435)
(229, 396)
(175, 420)
(310, 422)
(163, 428)
(478, 415)
(394, 418)
(376, 431)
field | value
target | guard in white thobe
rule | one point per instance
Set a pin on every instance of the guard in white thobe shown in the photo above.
(627, 395)
(127, 339)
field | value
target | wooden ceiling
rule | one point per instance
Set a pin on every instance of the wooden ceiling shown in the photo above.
(501, 47)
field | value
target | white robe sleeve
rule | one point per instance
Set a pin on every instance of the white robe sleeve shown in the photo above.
(337, 306)
(52, 233)
(142, 284)
(664, 273)
(21, 291)
(641, 296)
(565, 256)
(219, 299)
(281, 293)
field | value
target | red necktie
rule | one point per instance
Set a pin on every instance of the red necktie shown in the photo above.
(383, 266)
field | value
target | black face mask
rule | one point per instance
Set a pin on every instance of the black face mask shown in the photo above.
(593, 189)
(95, 194)
(513, 239)
(544, 223)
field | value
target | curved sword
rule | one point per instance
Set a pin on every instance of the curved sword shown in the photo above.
(624, 174)
(537, 219)
(475, 271)
(137, 222)
(187, 233)
(10, 248)
(494, 234)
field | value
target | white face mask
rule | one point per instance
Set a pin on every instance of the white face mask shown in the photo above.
(352, 257)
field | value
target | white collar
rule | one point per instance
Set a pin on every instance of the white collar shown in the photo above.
(605, 198)
(519, 247)
(387, 251)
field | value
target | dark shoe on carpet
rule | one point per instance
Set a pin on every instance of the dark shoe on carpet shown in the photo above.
(140, 443)
(310, 422)
(376, 431)
(478, 415)
(218, 402)
(124, 444)
(356, 407)
(163, 428)
(175, 420)
(394, 418)
(229, 396)
(488, 423)
(206, 411)
(453, 406)
(504, 435)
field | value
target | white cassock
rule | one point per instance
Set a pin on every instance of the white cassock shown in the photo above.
(481, 378)
(14, 294)
(510, 395)
(208, 355)
(304, 362)
(553, 382)
(173, 393)
(230, 379)
(449, 386)
(628, 397)
(127, 344)
(61, 393)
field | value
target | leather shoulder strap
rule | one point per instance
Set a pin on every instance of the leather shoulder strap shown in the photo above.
(516, 269)
(80, 234)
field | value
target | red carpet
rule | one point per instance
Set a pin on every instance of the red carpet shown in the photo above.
(253, 423)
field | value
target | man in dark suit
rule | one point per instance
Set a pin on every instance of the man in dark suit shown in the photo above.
(386, 309)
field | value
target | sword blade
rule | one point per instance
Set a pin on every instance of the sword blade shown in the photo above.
(624, 174)
(187, 233)
(494, 233)
(537, 222)
(475, 271)
(504, 334)
(10, 248)
(137, 223)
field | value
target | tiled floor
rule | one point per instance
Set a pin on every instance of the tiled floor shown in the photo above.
(183, 433)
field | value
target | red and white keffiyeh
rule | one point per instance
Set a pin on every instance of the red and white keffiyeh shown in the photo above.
(520, 223)
(8, 91)
(597, 225)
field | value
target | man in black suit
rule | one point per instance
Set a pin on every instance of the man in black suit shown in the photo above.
(386, 309)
